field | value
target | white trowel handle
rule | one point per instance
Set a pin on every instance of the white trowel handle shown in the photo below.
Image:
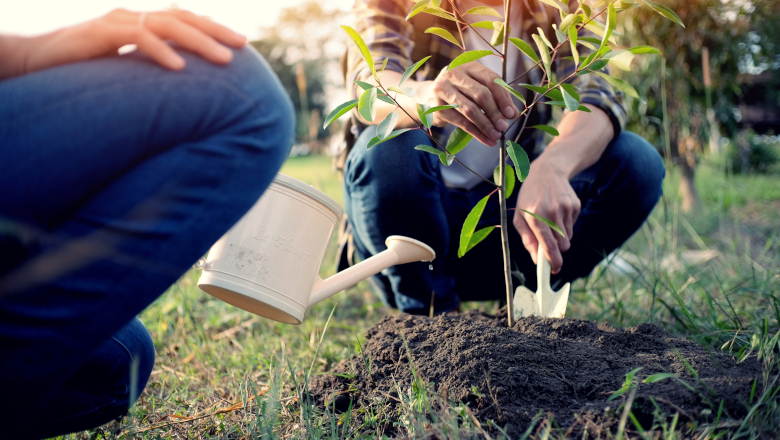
(542, 269)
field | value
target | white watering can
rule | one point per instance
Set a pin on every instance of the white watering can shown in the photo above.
(268, 263)
(545, 302)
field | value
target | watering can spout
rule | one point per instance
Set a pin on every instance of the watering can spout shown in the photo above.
(400, 250)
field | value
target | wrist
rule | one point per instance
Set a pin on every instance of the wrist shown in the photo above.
(554, 161)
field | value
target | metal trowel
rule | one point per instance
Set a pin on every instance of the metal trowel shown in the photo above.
(544, 302)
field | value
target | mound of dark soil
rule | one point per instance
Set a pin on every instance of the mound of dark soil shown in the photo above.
(564, 367)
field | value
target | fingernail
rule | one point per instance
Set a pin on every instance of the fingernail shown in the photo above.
(226, 53)
(508, 112)
(502, 125)
(495, 134)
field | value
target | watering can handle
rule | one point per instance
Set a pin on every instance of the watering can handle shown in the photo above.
(542, 268)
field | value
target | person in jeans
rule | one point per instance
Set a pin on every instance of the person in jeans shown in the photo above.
(595, 180)
(119, 172)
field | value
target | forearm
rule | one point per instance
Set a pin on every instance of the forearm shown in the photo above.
(582, 139)
(409, 105)
(13, 51)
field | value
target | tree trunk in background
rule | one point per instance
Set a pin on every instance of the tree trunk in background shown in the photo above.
(689, 196)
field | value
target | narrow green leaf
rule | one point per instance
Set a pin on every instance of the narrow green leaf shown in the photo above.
(440, 13)
(544, 38)
(610, 26)
(498, 33)
(444, 34)
(525, 48)
(484, 24)
(557, 4)
(653, 378)
(621, 85)
(384, 98)
(573, 43)
(560, 36)
(547, 128)
(429, 149)
(458, 140)
(408, 91)
(484, 10)
(478, 237)
(426, 119)
(339, 111)
(384, 64)
(467, 57)
(367, 104)
(590, 40)
(571, 103)
(585, 9)
(598, 29)
(509, 88)
(376, 141)
(547, 222)
(417, 8)
(520, 159)
(436, 3)
(438, 108)
(571, 90)
(630, 376)
(364, 85)
(362, 46)
(386, 127)
(568, 21)
(446, 159)
(510, 179)
(664, 11)
(470, 224)
(581, 108)
(413, 68)
(617, 394)
(638, 50)
(544, 53)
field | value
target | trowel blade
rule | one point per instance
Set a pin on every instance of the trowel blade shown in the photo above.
(524, 303)
(559, 302)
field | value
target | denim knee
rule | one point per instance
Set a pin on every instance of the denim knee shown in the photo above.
(639, 167)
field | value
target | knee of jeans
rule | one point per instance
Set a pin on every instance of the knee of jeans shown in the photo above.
(140, 348)
(641, 168)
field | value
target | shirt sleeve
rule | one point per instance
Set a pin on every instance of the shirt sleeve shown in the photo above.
(382, 25)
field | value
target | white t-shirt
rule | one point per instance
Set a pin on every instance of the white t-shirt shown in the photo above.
(479, 157)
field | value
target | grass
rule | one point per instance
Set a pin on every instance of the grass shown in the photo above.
(213, 359)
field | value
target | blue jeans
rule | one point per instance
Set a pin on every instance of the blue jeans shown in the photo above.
(118, 175)
(395, 189)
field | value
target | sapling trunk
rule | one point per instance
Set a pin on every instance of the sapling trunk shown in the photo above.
(502, 182)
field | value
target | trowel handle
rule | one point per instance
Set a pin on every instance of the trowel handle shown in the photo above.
(542, 269)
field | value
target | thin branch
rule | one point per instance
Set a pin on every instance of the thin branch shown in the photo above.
(455, 8)
(502, 184)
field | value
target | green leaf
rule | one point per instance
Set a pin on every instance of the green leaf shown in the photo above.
(484, 10)
(581, 108)
(446, 159)
(560, 36)
(571, 103)
(498, 33)
(621, 85)
(429, 149)
(386, 127)
(470, 224)
(339, 112)
(362, 46)
(664, 11)
(547, 129)
(509, 88)
(436, 3)
(571, 90)
(610, 25)
(525, 48)
(425, 118)
(444, 34)
(484, 24)
(598, 29)
(520, 159)
(553, 94)
(653, 378)
(544, 53)
(385, 98)
(376, 141)
(617, 394)
(510, 179)
(558, 5)
(585, 9)
(467, 57)
(568, 21)
(630, 377)
(478, 237)
(364, 85)
(573, 43)
(544, 38)
(638, 50)
(417, 8)
(408, 91)
(547, 222)
(410, 71)
(384, 64)
(438, 108)
(458, 140)
(367, 104)
(439, 12)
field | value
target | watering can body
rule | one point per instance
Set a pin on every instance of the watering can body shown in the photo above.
(268, 263)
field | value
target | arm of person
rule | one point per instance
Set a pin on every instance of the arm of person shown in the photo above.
(105, 35)
(547, 192)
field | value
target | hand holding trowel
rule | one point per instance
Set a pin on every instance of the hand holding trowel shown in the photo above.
(544, 303)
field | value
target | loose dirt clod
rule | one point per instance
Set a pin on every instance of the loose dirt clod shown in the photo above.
(565, 367)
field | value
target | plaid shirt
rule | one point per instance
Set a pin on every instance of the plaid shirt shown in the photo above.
(388, 35)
